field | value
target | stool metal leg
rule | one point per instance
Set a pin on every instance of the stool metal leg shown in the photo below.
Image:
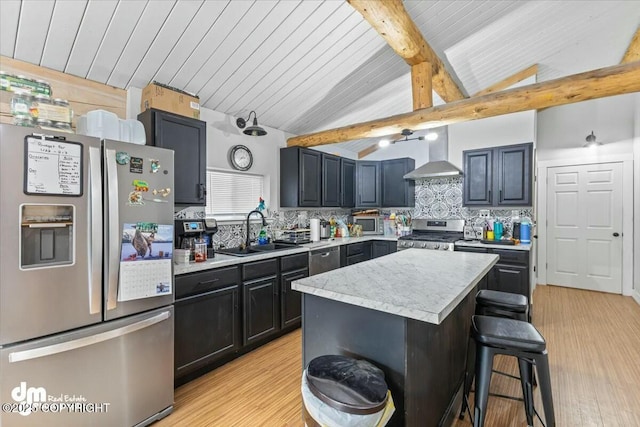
(527, 389)
(544, 385)
(484, 365)
(468, 376)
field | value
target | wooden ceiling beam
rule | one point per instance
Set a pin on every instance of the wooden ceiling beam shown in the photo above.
(422, 98)
(633, 51)
(510, 81)
(391, 20)
(610, 81)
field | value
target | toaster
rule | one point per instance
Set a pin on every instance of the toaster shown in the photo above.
(472, 232)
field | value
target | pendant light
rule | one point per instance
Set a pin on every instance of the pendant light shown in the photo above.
(254, 129)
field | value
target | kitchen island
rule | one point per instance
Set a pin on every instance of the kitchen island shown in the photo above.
(409, 314)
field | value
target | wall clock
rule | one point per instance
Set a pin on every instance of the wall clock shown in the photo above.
(240, 157)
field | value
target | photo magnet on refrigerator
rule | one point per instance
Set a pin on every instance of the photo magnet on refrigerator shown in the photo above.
(122, 158)
(155, 165)
(136, 164)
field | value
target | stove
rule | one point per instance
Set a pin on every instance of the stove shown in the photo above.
(433, 234)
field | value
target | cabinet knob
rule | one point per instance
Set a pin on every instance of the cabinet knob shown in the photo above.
(616, 234)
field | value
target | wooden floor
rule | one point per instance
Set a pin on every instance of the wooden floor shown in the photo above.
(594, 353)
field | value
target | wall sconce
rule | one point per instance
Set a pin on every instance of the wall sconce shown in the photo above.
(591, 141)
(254, 129)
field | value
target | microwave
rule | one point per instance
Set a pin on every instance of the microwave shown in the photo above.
(370, 224)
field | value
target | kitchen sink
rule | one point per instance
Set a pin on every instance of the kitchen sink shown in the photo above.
(255, 250)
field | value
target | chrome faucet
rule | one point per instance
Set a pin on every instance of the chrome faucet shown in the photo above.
(264, 223)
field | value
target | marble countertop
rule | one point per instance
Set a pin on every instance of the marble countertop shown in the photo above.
(222, 260)
(418, 284)
(477, 244)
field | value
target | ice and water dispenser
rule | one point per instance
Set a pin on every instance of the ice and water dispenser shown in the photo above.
(46, 236)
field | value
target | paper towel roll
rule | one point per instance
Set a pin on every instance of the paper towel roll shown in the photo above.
(315, 230)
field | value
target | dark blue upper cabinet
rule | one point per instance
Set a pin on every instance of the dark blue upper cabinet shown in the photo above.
(498, 176)
(187, 137)
(347, 183)
(330, 180)
(514, 175)
(397, 191)
(368, 184)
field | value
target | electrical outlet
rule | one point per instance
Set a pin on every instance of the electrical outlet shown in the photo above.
(483, 213)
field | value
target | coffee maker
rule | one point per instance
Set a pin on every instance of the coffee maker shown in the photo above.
(190, 232)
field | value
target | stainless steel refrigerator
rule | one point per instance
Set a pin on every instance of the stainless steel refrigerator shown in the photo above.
(86, 280)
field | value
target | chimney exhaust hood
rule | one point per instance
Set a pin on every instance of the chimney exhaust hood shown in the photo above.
(438, 166)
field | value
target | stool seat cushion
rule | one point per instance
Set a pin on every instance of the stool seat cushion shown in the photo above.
(502, 300)
(354, 386)
(507, 334)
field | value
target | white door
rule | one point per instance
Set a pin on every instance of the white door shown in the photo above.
(584, 241)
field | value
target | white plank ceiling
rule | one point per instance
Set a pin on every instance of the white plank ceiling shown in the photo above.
(309, 65)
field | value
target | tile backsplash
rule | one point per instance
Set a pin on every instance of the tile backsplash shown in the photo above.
(435, 198)
(441, 198)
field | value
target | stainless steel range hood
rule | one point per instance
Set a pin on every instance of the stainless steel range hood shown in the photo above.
(438, 165)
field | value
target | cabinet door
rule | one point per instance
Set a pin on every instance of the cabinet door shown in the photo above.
(330, 180)
(290, 300)
(368, 184)
(260, 309)
(397, 191)
(207, 326)
(309, 178)
(513, 173)
(188, 139)
(477, 181)
(379, 248)
(510, 278)
(347, 183)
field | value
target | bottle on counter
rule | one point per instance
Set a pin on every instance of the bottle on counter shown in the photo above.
(525, 231)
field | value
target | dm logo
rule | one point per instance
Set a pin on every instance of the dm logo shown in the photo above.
(31, 395)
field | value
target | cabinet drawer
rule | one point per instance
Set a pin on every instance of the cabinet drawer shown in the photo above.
(511, 256)
(294, 262)
(355, 249)
(197, 283)
(355, 259)
(255, 270)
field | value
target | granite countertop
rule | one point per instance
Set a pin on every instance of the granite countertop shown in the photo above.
(419, 284)
(478, 244)
(222, 260)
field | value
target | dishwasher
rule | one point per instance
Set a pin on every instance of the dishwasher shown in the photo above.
(324, 259)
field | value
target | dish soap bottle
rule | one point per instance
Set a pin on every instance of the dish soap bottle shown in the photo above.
(262, 237)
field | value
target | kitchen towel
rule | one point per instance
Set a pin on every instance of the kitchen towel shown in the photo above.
(315, 230)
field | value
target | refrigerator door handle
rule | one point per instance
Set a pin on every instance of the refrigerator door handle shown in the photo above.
(95, 231)
(113, 234)
(50, 350)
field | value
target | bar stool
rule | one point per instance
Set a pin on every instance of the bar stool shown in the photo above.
(494, 335)
(503, 304)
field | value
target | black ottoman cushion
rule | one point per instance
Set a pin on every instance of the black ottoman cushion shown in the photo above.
(350, 385)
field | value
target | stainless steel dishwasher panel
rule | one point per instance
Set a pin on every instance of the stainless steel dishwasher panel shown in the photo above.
(324, 259)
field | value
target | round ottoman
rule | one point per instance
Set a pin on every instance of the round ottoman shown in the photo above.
(340, 391)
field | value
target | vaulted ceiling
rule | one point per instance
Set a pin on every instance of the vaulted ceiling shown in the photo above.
(309, 65)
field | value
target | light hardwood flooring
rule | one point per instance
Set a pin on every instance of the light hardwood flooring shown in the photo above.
(594, 353)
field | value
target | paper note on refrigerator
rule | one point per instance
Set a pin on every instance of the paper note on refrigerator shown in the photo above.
(145, 261)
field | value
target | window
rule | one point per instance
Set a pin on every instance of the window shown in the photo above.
(231, 193)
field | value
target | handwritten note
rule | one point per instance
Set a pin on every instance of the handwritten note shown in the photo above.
(53, 167)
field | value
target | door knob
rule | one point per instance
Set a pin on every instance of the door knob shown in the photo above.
(616, 234)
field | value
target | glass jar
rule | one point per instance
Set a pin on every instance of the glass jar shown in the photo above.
(23, 121)
(61, 102)
(200, 251)
(21, 104)
(44, 123)
(61, 125)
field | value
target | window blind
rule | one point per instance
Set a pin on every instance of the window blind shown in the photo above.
(230, 193)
